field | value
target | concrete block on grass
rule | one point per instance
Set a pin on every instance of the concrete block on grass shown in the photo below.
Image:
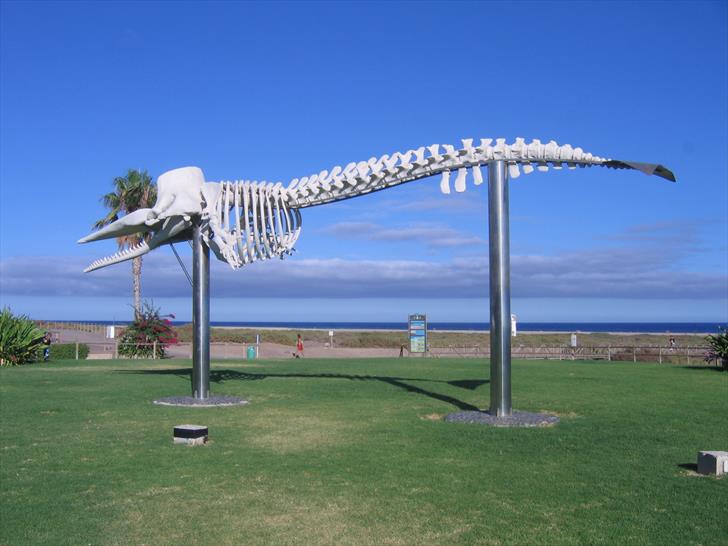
(714, 463)
(193, 435)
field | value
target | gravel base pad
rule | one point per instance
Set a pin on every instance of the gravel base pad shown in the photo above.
(211, 402)
(515, 419)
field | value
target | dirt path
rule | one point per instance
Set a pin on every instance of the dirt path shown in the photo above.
(100, 346)
(277, 351)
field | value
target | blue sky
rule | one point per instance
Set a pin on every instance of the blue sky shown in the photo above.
(279, 90)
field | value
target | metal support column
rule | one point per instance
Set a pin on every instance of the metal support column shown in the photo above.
(500, 290)
(200, 315)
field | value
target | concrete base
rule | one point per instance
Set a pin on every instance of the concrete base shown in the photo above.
(516, 419)
(713, 463)
(210, 402)
(192, 435)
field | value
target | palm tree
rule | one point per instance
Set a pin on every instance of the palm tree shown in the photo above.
(132, 192)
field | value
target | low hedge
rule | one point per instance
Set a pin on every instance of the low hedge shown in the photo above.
(67, 351)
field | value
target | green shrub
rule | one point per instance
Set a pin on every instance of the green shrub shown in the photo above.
(139, 338)
(21, 340)
(67, 351)
(718, 347)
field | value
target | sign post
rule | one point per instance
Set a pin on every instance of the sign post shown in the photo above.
(418, 333)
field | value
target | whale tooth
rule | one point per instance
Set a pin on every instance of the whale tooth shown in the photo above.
(445, 182)
(527, 168)
(460, 180)
(513, 170)
(477, 175)
(434, 151)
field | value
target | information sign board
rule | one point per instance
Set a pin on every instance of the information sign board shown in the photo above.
(418, 333)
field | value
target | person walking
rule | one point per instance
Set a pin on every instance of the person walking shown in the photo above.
(46, 346)
(299, 347)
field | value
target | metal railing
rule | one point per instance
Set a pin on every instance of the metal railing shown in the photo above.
(75, 326)
(219, 350)
(663, 355)
(690, 355)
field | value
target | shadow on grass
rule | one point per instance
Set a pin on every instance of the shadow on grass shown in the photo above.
(470, 384)
(705, 367)
(220, 376)
(689, 466)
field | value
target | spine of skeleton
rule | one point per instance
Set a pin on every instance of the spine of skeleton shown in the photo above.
(398, 168)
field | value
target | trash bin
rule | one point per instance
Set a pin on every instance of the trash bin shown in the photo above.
(251, 352)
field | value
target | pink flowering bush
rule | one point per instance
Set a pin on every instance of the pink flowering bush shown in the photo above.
(139, 338)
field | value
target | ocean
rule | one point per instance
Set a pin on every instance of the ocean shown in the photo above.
(638, 327)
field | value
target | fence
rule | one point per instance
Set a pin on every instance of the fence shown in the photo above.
(77, 326)
(222, 350)
(663, 355)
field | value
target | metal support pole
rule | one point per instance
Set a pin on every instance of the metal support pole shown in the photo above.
(500, 290)
(200, 315)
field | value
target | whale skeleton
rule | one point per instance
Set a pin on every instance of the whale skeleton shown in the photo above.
(244, 221)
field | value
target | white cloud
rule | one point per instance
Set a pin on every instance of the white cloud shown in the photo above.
(621, 273)
(433, 235)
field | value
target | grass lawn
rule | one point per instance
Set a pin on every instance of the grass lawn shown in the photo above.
(355, 452)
